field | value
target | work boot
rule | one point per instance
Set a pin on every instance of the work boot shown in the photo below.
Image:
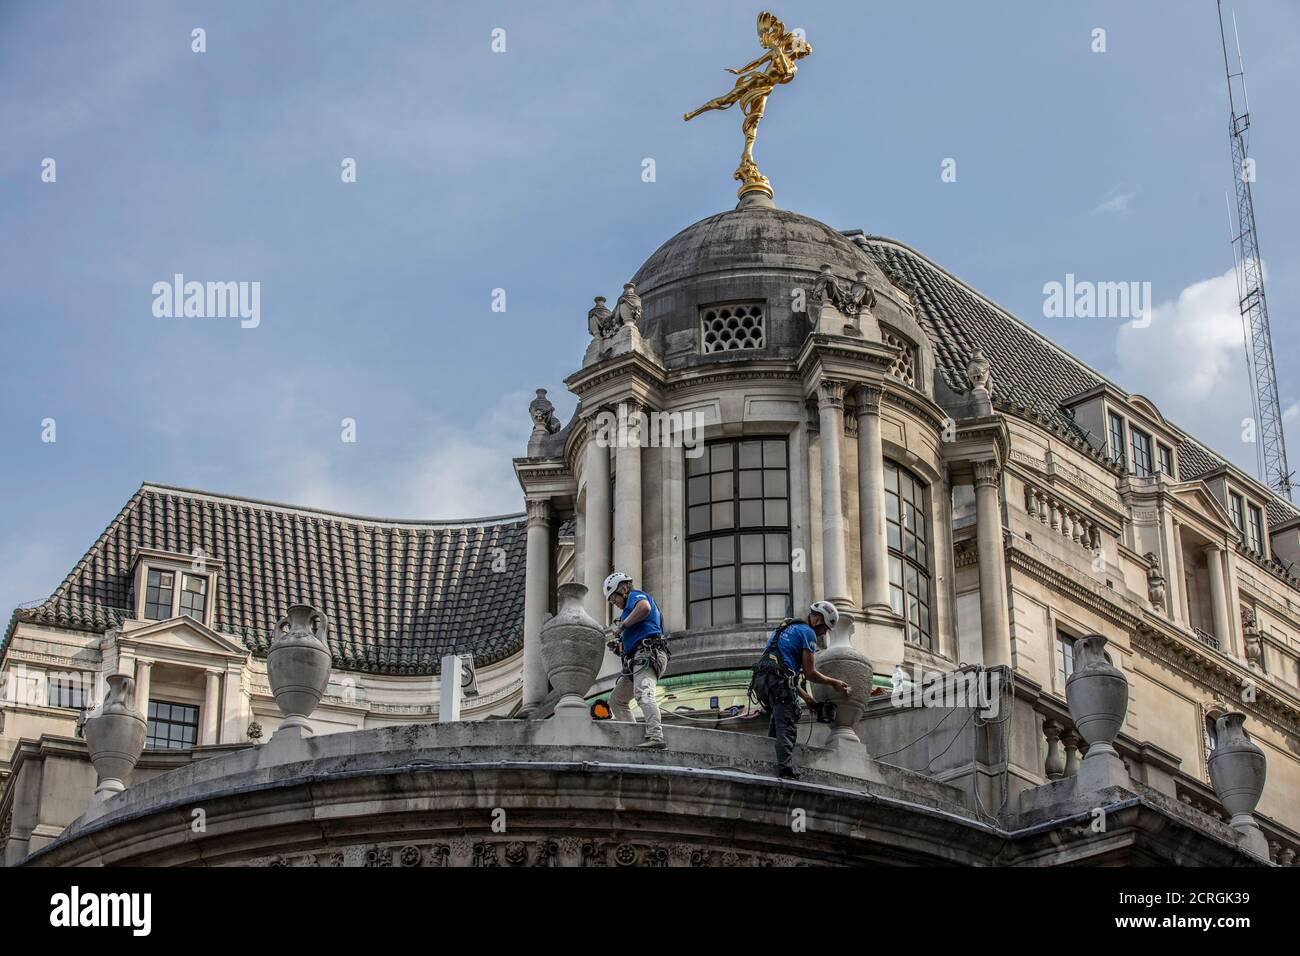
(788, 773)
(652, 743)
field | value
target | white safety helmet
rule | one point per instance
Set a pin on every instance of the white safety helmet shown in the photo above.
(828, 612)
(613, 581)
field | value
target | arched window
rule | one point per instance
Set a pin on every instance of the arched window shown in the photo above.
(907, 527)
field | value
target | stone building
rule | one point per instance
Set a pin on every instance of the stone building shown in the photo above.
(774, 411)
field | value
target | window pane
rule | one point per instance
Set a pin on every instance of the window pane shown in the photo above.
(698, 520)
(778, 577)
(697, 466)
(774, 454)
(751, 484)
(751, 454)
(697, 554)
(777, 549)
(697, 490)
(723, 516)
(751, 513)
(700, 585)
(751, 548)
(778, 606)
(774, 513)
(774, 484)
(724, 550)
(700, 614)
(751, 578)
(722, 486)
(724, 582)
(720, 456)
(753, 608)
(724, 612)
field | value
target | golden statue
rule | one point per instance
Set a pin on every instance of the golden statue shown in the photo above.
(752, 89)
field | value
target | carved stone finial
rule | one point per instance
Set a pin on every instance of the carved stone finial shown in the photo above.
(1254, 640)
(1155, 581)
(543, 415)
(980, 372)
(627, 310)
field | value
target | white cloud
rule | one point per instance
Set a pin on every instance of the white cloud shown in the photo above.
(1191, 362)
(1117, 204)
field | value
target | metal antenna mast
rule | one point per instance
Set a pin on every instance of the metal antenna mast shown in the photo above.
(1250, 278)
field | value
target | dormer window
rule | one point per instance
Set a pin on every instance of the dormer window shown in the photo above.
(1140, 442)
(1167, 460)
(1255, 530)
(158, 594)
(194, 596)
(1117, 439)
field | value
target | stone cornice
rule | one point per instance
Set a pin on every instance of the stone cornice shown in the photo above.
(1217, 674)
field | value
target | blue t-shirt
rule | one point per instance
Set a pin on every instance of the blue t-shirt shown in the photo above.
(649, 626)
(794, 640)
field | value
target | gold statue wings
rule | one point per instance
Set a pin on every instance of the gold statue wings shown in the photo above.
(755, 82)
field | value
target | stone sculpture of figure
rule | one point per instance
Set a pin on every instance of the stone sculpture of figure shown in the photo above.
(1253, 639)
(543, 414)
(980, 373)
(627, 310)
(851, 298)
(599, 319)
(1155, 581)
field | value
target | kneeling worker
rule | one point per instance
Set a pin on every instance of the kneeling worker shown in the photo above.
(639, 640)
(788, 654)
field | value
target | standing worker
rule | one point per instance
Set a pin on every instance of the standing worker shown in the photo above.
(788, 654)
(638, 638)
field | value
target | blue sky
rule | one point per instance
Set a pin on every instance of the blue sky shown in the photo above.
(522, 170)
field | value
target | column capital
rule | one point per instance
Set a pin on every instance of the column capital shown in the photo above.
(830, 393)
(868, 398)
(987, 474)
(141, 662)
(539, 512)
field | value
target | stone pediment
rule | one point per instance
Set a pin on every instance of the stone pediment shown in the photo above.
(1197, 499)
(181, 638)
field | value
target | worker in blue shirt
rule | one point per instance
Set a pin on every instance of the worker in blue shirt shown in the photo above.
(776, 685)
(638, 638)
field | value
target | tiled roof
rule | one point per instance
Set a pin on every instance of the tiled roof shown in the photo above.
(399, 594)
(1029, 371)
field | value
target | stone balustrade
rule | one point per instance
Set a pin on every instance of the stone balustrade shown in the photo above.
(1065, 519)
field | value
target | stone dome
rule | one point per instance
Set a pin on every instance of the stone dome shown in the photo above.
(742, 265)
(753, 236)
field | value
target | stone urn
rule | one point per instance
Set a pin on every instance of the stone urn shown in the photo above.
(1097, 694)
(842, 661)
(573, 648)
(298, 665)
(1237, 770)
(115, 737)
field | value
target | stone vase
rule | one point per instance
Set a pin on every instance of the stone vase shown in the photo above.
(1097, 695)
(115, 737)
(298, 665)
(845, 663)
(1237, 770)
(573, 648)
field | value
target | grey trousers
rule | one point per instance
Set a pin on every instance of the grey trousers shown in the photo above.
(784, 726)
(642, 684)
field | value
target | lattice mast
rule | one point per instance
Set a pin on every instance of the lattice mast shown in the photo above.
(1271, 447)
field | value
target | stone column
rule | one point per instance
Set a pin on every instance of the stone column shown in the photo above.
(536, 587)
(143, 678)
(871, 500)
(830, 410)
(1184, 598)
(1219, 596)
(995, 629)
(627, 493)
(211, 708)
(596, 527)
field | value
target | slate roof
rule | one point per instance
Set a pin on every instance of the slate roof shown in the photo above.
(399, 594)
(1031, 375)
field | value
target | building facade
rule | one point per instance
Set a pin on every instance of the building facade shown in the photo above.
(773, 412)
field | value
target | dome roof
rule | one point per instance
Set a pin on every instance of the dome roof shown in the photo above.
(754, 236)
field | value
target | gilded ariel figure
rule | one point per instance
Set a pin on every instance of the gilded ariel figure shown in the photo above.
(752, 89)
